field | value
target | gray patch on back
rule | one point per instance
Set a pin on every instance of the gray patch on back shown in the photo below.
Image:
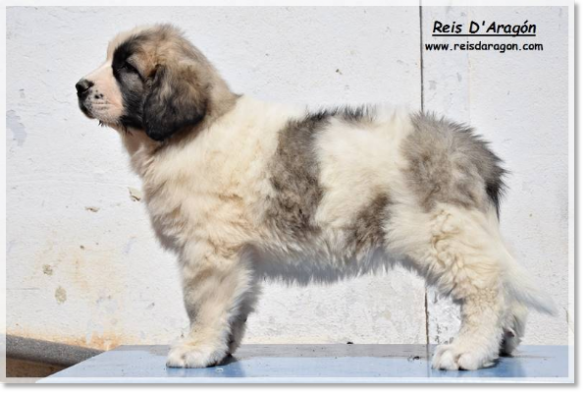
(367, 231)
(359, 114)
(450, 164)
(294, 173)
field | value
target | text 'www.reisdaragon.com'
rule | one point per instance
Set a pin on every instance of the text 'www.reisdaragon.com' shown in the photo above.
(484, 46)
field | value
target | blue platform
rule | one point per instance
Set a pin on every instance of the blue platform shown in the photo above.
(317, 364)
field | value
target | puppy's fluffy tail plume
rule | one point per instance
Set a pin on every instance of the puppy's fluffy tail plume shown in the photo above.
(522, 288)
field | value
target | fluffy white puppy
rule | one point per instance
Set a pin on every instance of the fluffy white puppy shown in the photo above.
(239, 189)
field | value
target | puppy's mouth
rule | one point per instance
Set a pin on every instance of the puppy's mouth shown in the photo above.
(85, 110)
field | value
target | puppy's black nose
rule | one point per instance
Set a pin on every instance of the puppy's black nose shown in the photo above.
(83, 88)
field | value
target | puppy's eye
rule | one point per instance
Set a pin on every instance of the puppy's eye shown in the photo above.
(130, 68)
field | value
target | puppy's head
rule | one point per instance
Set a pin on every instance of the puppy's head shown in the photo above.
(153, 80)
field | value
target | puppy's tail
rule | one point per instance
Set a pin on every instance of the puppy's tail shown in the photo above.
(522, 288)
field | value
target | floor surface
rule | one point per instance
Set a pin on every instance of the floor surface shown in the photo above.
(316, 364)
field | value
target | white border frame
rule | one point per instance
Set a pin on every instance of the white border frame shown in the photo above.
(571, 113)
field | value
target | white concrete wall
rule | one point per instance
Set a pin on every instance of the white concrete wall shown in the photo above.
(83, 265)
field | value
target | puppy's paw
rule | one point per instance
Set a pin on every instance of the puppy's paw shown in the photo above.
(453, 357)
(189, 356)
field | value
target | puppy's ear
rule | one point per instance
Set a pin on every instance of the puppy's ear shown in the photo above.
(176, 99)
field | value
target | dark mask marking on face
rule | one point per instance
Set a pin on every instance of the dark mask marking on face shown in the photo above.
(131, 83)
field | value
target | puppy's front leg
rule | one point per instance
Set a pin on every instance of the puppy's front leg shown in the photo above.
(214, 285)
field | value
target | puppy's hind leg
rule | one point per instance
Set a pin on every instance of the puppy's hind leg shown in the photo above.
(457, 250)
(514, 326)
(522, 294)
(238, 325)
(215, 282)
